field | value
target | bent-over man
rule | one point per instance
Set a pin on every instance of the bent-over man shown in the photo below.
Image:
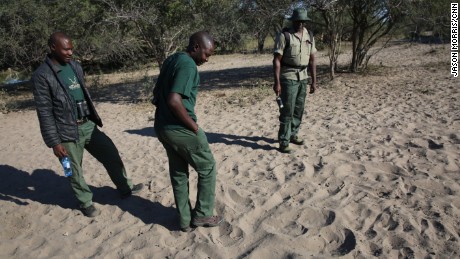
(177, 129)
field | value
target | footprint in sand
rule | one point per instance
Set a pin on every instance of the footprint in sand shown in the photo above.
(424, 226)
(308, 219)
(294, 229)
(334, 186)
(312, 225)
(442, 232)
(230, 235)
(439, 228)
(370, 233)
(245, 202)
(397, 243)
(406, 253)
(340, 241)
(385, 220)
(316, 218)
(348, 244)
(375, 250)
(407, 227)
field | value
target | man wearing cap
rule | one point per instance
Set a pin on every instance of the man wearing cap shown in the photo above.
(292, 58)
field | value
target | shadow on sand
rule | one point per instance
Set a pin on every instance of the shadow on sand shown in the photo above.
(140, 90)
(218, 79)
(47, 187)
(228, 139)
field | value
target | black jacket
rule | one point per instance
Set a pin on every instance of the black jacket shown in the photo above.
(55, 107)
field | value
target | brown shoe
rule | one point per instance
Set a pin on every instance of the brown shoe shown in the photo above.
(137, 188)
(212, 221)
(285, 149)
(90, 211)
(296, 140)
(188, 229)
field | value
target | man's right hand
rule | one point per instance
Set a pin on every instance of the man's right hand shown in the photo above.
(313, 88)
(59, 151)
(277, 89)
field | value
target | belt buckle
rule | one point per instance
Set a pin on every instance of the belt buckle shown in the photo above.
(80, 122)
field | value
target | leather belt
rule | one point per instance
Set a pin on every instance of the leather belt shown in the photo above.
(82, 121)
(292, 66)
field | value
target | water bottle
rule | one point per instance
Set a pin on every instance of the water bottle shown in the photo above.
(65, 161)
(280, 102)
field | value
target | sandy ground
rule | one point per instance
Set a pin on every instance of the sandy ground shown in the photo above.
(377, 177)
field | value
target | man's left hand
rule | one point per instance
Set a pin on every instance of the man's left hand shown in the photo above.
(313, 88)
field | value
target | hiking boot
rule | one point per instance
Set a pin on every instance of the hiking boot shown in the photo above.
(137, 188)
(90, 211)
(187, 229)
(212, 221)
(285, 149)
(296, 140)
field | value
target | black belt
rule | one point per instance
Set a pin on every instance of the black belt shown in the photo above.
(292, 66)
(82, 121)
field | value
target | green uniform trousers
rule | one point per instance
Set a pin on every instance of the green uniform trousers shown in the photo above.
(293, 95)
(101, 147)
(185, 148)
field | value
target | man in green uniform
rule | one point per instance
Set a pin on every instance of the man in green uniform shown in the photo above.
(177, 129)
(291, 59)
(68, 120)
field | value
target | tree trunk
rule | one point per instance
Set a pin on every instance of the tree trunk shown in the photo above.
(261, 40)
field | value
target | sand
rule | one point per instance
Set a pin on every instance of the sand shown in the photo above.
(377, 177)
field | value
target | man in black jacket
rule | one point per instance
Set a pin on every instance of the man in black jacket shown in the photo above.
(68, 120)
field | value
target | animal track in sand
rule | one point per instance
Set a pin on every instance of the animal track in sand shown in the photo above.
(239, 200)
(229, 234)
(406, 252)
(348, 244)
(294, 229)
(299, 225)
(316, 218)
(383, 220)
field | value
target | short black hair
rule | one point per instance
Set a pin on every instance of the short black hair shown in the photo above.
(55, 36)
(202, 38)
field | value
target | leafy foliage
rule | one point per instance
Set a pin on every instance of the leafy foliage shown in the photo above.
(264, 18)
(117, 33)
(22, 33)
(428, 17)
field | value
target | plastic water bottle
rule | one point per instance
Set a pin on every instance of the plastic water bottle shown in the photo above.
(280, 102)
(65, 161)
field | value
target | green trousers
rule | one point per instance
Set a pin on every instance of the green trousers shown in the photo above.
(293, 95)
(101, 147)
(184, 148)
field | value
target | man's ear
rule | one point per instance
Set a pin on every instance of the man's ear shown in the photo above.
(196, 47)
(53, 47)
